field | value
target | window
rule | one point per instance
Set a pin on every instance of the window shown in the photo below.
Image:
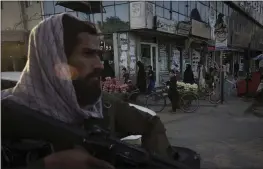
(219, 6)
(181, 17)
(182, 7)
(213, 4)
(226, 10)
(28, 3)
(97, 18)
(191, 6)
(122, 16)
(174, 16)
(109, 13)
(167, 4)
(167, 14)
(159, 11)
(159, 3)
(49, 7)
(202, 10)
(230, 11)
(120, 2)
(175, 6)
(107, 3)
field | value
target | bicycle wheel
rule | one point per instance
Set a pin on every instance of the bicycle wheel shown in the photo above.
(137, 98)
(189, 102)
(214, 97)
(155, 102)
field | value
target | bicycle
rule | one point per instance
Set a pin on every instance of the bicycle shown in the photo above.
(186, 99)
(134, 97)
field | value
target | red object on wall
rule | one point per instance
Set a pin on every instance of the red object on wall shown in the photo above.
(252, 85)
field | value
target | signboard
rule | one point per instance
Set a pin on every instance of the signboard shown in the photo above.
(165, 25)
(200, 29)
(141, 15)
(221, 33)
(184, 28)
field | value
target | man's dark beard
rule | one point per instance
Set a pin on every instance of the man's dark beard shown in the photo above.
(88, 91)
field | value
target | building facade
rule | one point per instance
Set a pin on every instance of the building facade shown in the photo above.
(18, 18)
(171, 34)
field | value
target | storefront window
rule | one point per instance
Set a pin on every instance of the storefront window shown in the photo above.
(49, 8)
(122, 16)
(167, 14)
(159, 11)
(174, 16)
(175, 6)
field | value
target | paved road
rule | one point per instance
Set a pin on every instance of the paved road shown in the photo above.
(225, 136)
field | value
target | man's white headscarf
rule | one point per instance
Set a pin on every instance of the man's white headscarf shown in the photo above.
(45, 84)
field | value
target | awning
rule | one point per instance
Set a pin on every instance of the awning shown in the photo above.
(88, 7)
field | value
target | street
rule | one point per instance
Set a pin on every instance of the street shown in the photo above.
(225, 136)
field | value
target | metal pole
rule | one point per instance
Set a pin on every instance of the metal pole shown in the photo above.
(221, 78)
(247, 69)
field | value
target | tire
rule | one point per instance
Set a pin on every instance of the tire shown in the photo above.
(153, 98)
(186, 100)
(213, 100)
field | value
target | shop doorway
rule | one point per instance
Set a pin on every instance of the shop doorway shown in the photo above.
(149, 56)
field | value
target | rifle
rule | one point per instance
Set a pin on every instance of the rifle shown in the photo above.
(21, 123)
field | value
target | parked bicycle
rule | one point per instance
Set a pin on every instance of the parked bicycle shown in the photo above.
(188, 102)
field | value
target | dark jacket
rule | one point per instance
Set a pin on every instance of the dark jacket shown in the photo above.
(141, 78)
(121, 119)
(189, 76)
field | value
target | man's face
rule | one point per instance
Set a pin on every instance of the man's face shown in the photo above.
(87, 64)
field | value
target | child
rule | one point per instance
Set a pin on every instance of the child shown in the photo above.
(126, 75)
(151, 79)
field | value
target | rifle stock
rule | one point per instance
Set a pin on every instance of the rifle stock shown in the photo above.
(37, 126)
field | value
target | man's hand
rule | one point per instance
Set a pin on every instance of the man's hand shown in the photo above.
(74, 159)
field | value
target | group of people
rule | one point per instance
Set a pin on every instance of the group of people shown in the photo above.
(142, 78)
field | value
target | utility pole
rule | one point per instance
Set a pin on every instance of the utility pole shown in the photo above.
(247, 69)
(222, 78)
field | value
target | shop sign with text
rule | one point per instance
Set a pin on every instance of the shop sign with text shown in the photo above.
(164, 25)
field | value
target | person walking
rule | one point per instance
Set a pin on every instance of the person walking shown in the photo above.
(141, 77)
(188, 75)
(107, 71)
